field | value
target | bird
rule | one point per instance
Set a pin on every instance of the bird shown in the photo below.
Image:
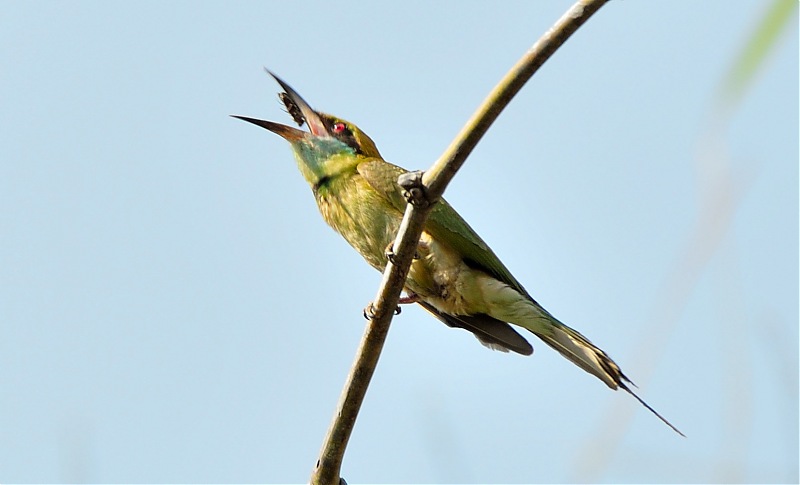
(454, 275)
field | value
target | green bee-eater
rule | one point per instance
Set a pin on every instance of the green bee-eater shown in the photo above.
(454, 275)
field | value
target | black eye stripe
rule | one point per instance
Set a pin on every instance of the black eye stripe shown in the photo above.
(345, 135)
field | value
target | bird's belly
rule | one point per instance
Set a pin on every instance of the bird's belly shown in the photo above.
(440, 277)
(366, 221)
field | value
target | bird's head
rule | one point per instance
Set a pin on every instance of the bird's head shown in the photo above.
(330, 141)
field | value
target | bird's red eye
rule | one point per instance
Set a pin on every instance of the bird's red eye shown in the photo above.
(338, 127)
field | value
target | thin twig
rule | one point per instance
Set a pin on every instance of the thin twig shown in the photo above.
(434, 182)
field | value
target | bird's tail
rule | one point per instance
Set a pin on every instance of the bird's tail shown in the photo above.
(583, 353)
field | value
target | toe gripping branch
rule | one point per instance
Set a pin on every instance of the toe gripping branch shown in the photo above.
(414, 192)
(390, 255)
(413, 188)
(369, 311)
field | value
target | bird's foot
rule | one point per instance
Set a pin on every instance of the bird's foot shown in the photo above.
(413, 188)
(369, 311)
(390, 254)
(409, 298)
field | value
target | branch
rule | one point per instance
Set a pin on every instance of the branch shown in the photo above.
(424, 191)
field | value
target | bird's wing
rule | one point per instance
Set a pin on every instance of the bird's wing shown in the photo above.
(491, 332)
(443, 223)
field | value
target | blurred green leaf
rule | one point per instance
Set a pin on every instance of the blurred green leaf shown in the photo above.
(757, 49)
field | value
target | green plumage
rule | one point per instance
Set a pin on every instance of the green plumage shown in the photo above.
(455, 276)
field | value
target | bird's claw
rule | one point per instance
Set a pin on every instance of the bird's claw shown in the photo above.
(389, 252)
(369, 311)
(391, 255)
(413, 188)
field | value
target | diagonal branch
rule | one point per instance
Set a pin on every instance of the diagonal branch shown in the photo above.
(426, 190)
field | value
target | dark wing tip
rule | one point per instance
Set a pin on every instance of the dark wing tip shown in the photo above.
(488, 330)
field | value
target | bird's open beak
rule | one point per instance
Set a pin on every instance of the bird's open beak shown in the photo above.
(293, 102)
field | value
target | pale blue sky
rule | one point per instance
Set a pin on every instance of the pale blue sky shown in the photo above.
(174, 309)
